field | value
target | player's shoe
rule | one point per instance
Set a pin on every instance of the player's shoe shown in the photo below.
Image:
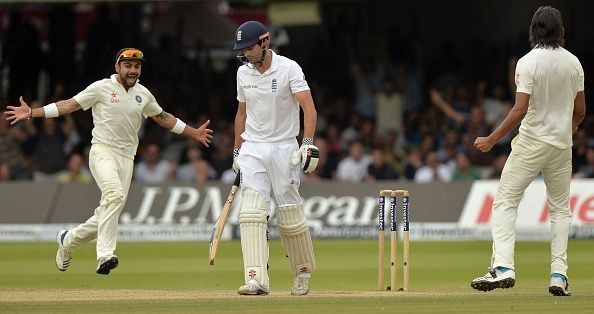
(559, 286)
(497, 277)
(253, 287)
(106, 263)
(63, 255)
(300, 286)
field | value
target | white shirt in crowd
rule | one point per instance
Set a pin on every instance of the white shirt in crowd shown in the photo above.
(389, 112)
(352, 170)
(160, 173)
(426, 174)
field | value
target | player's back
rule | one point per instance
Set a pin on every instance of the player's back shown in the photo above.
(556, 72)
(553, 77)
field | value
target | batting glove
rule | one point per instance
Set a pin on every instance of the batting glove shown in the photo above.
(235, 163)
(308, 156)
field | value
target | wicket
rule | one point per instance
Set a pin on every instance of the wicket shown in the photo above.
(393, 194)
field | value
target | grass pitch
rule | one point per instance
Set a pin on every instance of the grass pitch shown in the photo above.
(176, 278)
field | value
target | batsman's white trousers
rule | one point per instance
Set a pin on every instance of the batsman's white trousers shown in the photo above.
(113, 172)
(266, 173)
(267, 168)
(527, 159)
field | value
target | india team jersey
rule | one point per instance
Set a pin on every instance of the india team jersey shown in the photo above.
(552, 77)
(271, 106)
(117, 113)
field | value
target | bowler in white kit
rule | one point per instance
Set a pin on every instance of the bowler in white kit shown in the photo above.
(271, 89)
(118, 104)
(550, 104)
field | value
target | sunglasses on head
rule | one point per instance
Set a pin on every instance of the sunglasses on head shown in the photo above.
(130, 54)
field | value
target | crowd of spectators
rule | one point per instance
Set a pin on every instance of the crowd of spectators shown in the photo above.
(383, 114)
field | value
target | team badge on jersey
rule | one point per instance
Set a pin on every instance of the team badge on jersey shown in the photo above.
(274, 85)
(114, 98)
(139, 100)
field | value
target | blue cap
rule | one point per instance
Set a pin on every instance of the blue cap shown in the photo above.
(249, 34)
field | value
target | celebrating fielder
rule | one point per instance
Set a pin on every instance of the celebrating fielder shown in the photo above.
(270, 89)
(118, 104)
(550, 104)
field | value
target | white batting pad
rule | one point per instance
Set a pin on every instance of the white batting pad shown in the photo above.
(294, 233)
(254, 244)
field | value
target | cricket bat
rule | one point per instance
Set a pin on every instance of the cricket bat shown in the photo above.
(217, 231)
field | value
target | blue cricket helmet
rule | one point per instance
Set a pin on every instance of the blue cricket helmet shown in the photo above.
(249, 34)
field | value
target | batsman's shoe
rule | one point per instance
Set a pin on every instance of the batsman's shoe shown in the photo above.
(106, 264)
(253, 287)
(559, 286)
(300, 286)
(496, 278)
(63, 255)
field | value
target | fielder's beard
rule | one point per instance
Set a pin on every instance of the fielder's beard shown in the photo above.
(129, 81)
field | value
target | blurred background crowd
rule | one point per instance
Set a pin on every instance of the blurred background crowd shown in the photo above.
(402, 89)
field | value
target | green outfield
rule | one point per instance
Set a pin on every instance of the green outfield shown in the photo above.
(176, 278)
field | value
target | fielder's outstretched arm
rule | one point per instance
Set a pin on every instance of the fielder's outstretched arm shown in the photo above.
(24, 112)
(175, 125)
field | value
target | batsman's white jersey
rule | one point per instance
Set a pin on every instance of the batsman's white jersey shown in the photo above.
(552, 77)
(117, 115)
(271, 127)
(272, 109)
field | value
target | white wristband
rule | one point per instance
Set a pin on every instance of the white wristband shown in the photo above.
(51, 110)
(178, 127)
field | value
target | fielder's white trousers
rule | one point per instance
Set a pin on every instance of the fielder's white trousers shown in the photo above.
(113, 172)
(527, 159)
